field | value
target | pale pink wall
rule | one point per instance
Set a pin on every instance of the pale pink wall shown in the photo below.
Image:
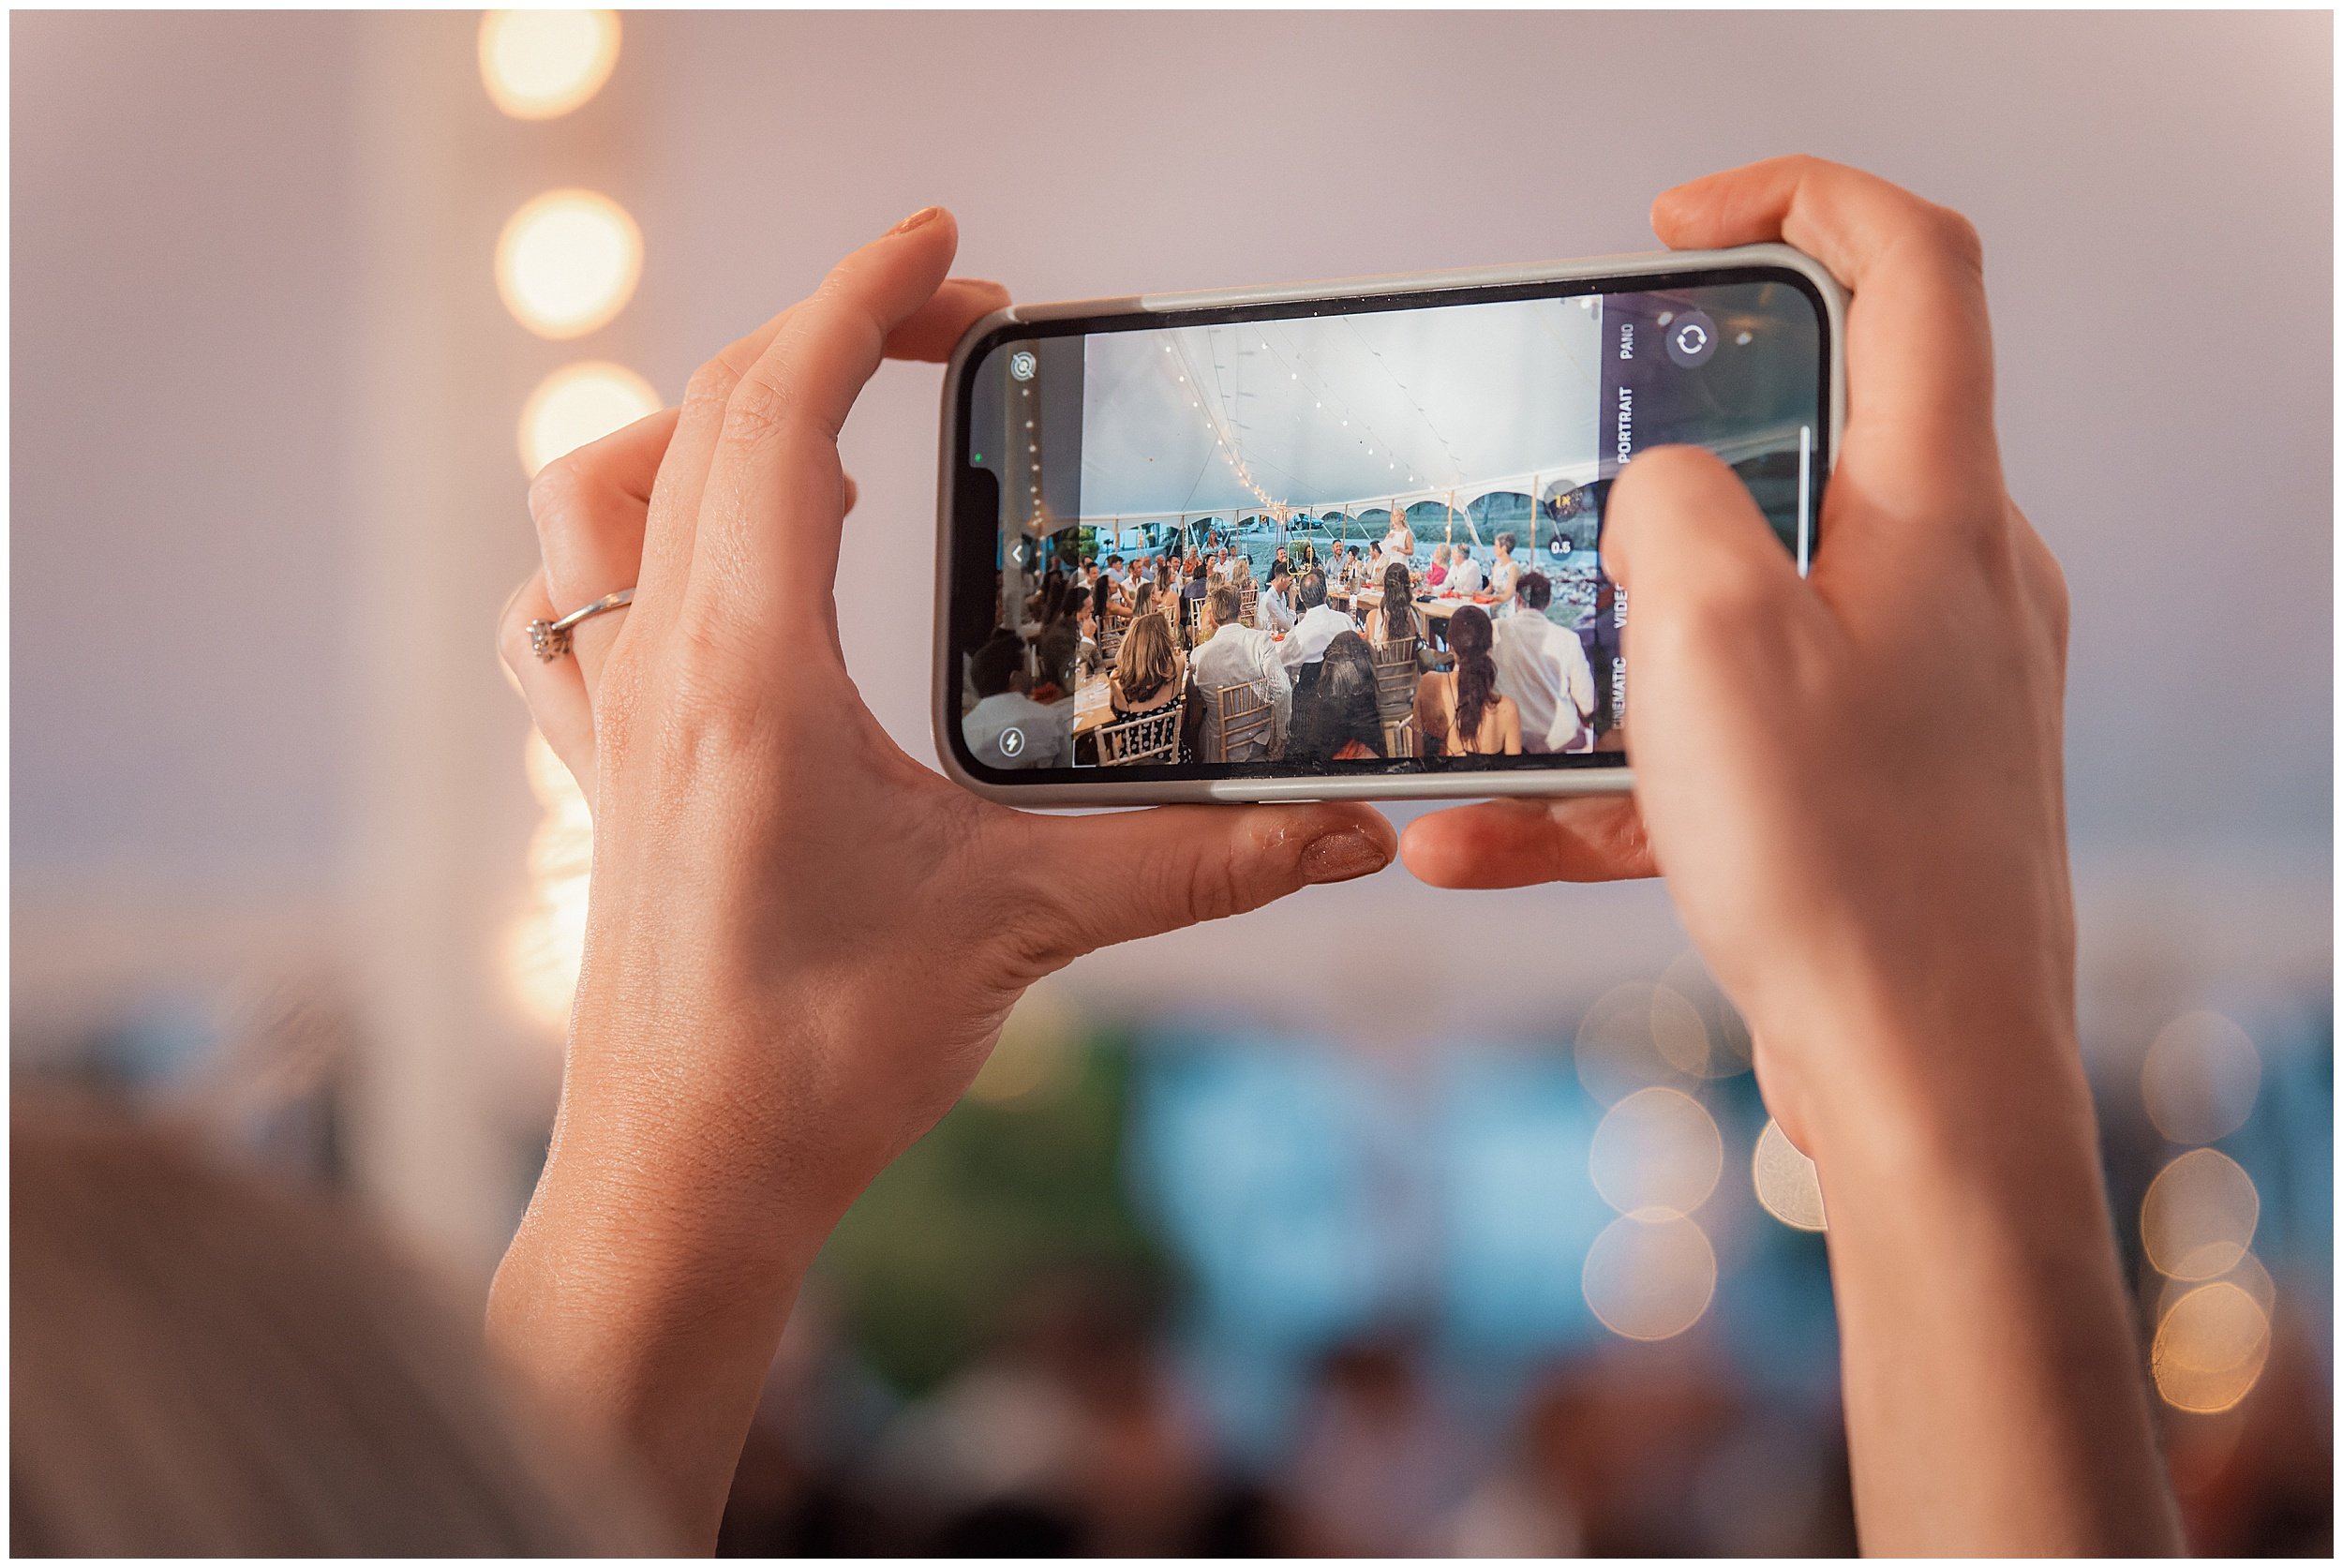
(192, 355)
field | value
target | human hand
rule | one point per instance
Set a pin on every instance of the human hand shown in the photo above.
(800, 943)
(1853, 781)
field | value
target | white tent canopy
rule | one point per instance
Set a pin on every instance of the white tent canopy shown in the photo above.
(1338, 413)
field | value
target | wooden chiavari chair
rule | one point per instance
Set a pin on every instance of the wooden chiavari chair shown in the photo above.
(1143, 738)
(1246, 722)
(1396, 673)
(1400, 736)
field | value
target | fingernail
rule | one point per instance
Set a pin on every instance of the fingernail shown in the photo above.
(919, 220)
(1340, 856)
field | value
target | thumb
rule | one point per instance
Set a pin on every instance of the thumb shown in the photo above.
(1179, 865)
(1698, 561)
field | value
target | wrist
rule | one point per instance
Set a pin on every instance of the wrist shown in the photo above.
(1925, 1123)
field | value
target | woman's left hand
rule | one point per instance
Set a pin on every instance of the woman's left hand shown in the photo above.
(800, 943)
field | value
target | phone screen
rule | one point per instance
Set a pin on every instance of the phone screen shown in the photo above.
(1347, 536)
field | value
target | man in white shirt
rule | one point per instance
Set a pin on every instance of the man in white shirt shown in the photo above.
(1319, 624)
(1231, 654)
(1544, 669)
(1006, 728)
(1273, 610)
(1464, 577)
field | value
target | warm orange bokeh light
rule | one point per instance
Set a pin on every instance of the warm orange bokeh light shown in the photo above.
(2199, 1216)
(540, 65)
(577, 404)
(568, 262)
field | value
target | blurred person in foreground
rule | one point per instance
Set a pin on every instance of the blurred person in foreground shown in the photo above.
(1884, 899)
(1379, 1462)
(1070, 1436)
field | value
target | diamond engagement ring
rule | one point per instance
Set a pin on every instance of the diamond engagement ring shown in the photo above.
(550, 640)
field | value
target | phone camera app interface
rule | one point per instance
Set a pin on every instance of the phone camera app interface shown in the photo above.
(1356, 541)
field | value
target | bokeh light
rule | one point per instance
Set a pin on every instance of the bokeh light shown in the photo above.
(568, 262)
(1656, 1151)
(1722, 1047)
(577, 404)
(1037, 1056)
(2200, 1078)
(2247, 1274)
(1787, 1186)
(2199, 1216)
(2210, 1347)
(545, 946)
(539, 65)
(1621, 1041)
(1649, 1276)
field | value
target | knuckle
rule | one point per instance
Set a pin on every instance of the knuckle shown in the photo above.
(1956, 238)
(2046, 582)
(710, 386)
(1193, 888)
(556, 488)
(758, 407)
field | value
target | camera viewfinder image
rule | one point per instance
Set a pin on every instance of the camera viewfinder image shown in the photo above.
(1359, 542)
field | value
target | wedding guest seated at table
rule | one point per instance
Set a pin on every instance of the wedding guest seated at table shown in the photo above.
(1273, 610)
(1464, 577)
(1068, 647)
(1336, 719)
(1198, 579)
(1041, 605)
(1318, 625)
(1111, 604)
(1149, 672)
(998, 674)
(1231, 654)
(1240, 574)
(1460, 712)
(1544, 668)
(1442, 555)
(1504, 573)
(1397, 619)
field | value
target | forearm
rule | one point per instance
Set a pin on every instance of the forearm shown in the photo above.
(646, 1293)
(1994, 1399)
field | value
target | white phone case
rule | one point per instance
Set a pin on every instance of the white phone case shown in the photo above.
(1458, 784)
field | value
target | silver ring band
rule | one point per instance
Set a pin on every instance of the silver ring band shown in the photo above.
(550, 640)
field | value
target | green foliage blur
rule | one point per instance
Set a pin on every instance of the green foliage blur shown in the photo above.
(1001, 1191)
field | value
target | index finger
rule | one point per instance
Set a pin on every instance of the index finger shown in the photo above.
(770, 510)
(928, 334)
(1920, 345)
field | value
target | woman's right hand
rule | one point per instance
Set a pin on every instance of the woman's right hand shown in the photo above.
(1852, 783)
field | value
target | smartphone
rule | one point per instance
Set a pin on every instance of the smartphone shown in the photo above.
(1343, 539)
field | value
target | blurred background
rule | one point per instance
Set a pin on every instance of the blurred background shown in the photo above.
(1383, 1220)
